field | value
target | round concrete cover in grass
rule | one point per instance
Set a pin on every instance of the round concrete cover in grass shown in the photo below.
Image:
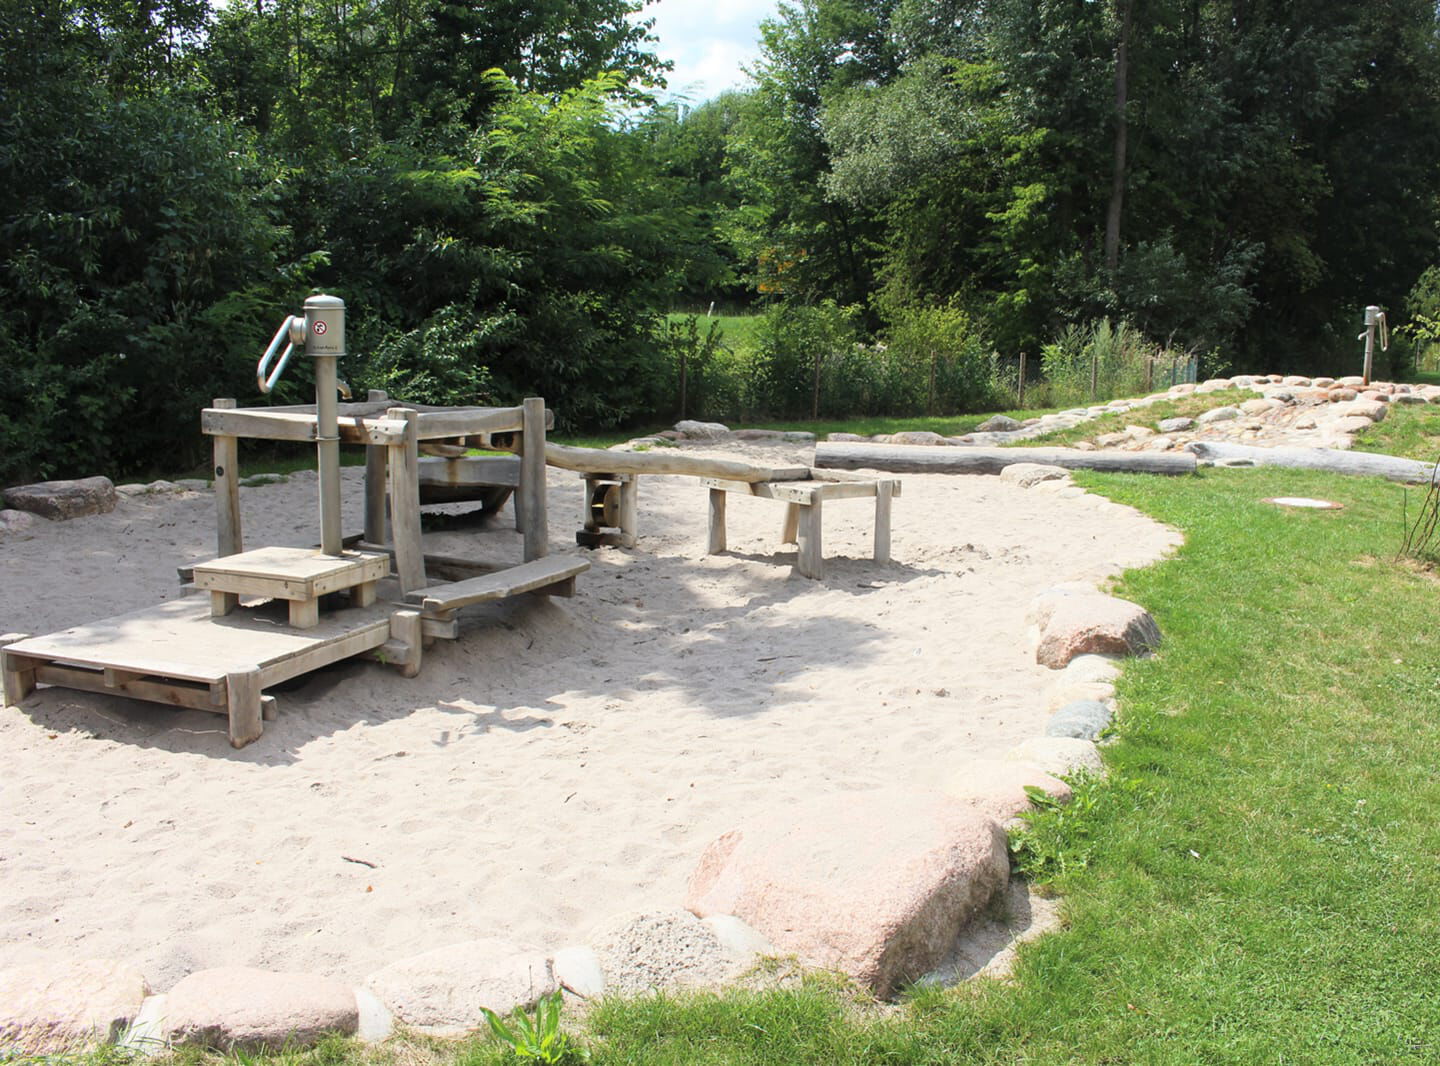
(1304, 501)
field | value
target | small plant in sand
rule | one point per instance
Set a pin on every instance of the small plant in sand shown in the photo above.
(537, 1039)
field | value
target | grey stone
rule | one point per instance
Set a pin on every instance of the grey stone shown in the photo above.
(998, 424)
(1083, 720)
(654, 951)
(850, 437)
(443, 990)
(240, 1007)
(195, 484)
(61, 500)
(1028, 474)
(917, 436)
(692, 430)
(759, 434)
(1175, 425)
(799, 436)
(59, 1006)
(1219, 414)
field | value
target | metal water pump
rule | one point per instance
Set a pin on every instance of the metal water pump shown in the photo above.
(321, 331)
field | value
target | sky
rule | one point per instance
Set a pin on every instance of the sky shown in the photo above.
(709, 40)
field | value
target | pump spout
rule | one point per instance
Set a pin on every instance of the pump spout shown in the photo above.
(344, 389)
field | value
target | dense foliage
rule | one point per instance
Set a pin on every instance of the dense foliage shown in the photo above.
(914, 191)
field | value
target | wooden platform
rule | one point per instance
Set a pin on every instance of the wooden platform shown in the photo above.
(176, 653)
(299, 575)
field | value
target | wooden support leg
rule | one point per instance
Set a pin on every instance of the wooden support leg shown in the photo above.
(791, 533)
(363, 594)
(811, 562)
(243, 702)
(18, 673)
(228, 539)
(268, 710)
(629, 510)
(222, 603)
(531, 494)
(884, 492)
(717, 522)
(404, 466)
(304, 614)
(407, 641)
(375, 532)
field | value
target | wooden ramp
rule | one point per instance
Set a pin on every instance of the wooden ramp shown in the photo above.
(176, 653)
(553, 575)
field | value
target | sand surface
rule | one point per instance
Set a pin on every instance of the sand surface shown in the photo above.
(561, 762)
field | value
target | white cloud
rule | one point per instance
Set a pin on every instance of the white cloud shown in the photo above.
(709, 42)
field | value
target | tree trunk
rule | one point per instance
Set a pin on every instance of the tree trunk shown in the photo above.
(964, 459)
(1117, 181)
(1365, 464)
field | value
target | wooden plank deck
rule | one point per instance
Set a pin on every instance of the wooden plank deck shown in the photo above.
(177, 653)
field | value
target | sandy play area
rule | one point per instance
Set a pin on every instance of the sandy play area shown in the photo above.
(561, 762)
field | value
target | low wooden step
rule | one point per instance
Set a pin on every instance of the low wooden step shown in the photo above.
(527, 577)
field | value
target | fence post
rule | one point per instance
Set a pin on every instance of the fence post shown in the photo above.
(930, 403)
(684, 366)
(1149, 371)
(1020, 400)
(1094, 371)
(815, 400)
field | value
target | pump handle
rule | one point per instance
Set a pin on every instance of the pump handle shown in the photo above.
(293, 329)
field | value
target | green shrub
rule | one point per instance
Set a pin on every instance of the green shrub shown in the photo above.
(1118, 359)
(941, 364)
(797, 348)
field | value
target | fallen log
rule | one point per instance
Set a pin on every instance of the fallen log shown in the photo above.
(1336, 461)
(598, 461)
(960, 459)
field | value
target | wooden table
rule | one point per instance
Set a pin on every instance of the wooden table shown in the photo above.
(804, 512)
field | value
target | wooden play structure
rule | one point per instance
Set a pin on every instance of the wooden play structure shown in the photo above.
(275, 613)
(610, 511)
(340, 599)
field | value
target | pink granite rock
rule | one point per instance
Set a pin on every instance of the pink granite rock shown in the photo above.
(875, 884)
(1094, 624)
(53, 1007)
(443, 990)
(237, 1006)
(996, 787)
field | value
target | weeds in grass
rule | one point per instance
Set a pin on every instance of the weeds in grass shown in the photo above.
(1058, 837)
(537, 1039)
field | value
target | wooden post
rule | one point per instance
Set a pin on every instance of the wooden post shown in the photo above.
(811, 562)
(629, 509)
(884, 492)
(406, 628)
(17, 674)
(717, 522)
(1149, 372)
(1094, 371)
(243, 702)
(531, 494)
(930, 403)
(683, 371)
(791, 533)
(375, 485)
(1020, 400)
(404, 466)
(815, 400)
(229, 540)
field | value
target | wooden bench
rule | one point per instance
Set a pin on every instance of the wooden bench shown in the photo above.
(804, 512)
